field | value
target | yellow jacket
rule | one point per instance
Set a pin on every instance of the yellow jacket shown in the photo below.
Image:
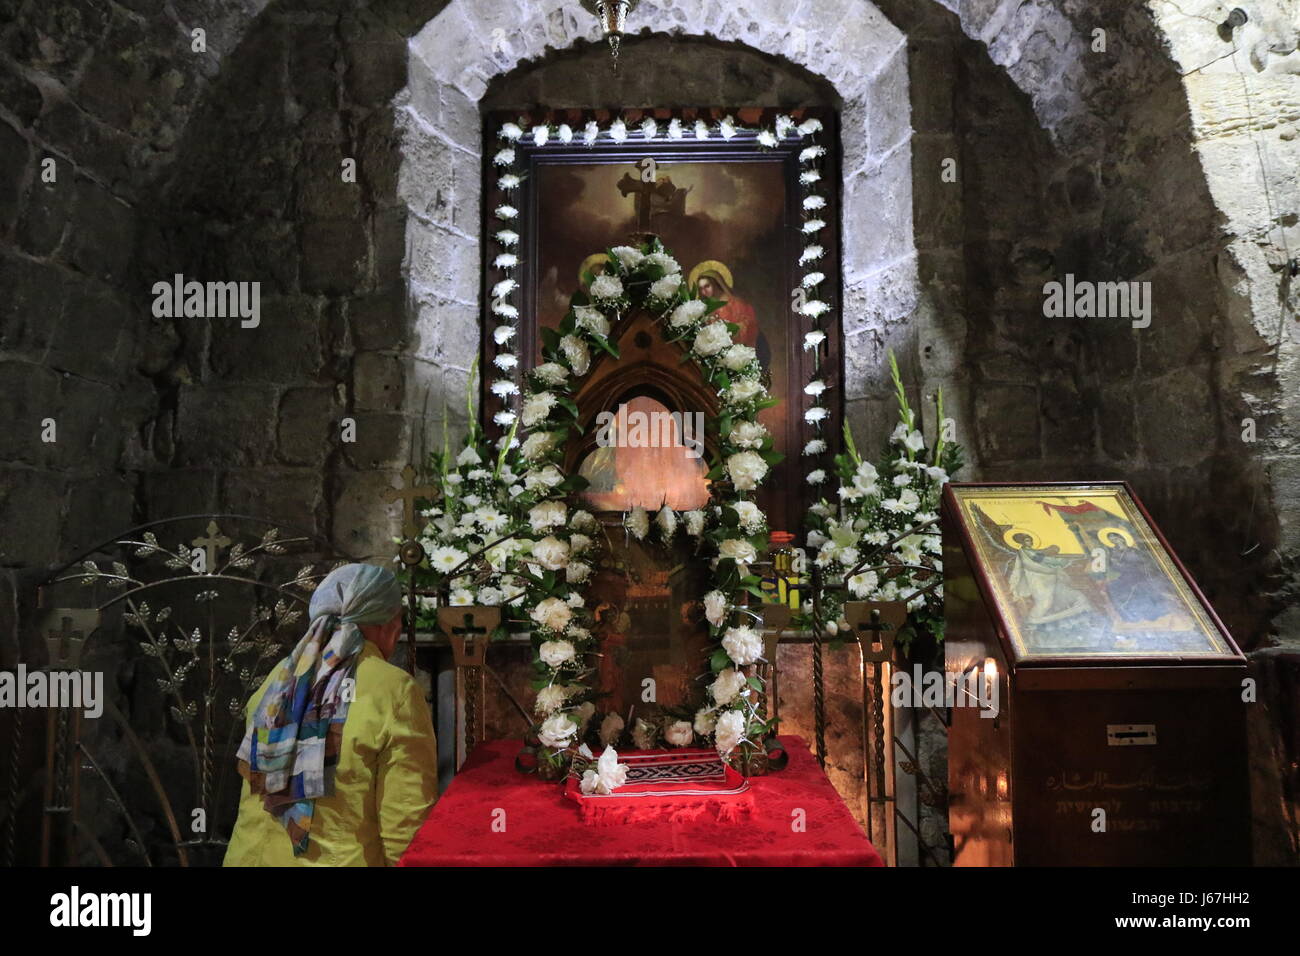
(385, 782)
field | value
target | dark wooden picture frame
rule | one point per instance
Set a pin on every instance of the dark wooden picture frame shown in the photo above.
(791, 494)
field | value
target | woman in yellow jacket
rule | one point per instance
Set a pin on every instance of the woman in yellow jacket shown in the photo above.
(339, 762)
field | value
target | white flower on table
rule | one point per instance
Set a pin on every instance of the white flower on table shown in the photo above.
(680, 733)
(644, 734)
(705, 720)
(607, 776)
(611, 728)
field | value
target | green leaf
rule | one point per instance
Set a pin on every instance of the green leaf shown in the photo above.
(719, 661)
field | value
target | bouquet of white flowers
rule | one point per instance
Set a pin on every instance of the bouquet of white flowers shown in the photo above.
(881, 542)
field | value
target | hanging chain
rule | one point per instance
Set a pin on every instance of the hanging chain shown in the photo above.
(15, 753)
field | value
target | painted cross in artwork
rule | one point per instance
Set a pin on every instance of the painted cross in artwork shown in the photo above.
(1078, 571)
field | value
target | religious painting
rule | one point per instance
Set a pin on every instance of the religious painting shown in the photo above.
(1078, 571)
(728, 210)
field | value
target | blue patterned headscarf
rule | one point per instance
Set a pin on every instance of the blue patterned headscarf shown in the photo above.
(292, 745)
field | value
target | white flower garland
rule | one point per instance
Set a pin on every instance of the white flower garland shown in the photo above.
(734, 526)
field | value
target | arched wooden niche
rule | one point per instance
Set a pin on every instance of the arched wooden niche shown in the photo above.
(647, 597)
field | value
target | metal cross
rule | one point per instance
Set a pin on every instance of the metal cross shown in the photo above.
(407, 496)
(214, 540)
(64, 645)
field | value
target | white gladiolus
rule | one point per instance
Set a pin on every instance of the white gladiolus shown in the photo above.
(469, 456)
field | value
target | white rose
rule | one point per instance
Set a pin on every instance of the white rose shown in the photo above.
(738, 549)
(551, 553)
(664, 261)
(687, 314)
(728, 684)
(537, 408)
(679, 733)
(715, 607)
(547, 514)
(576, 351)
(557, 731)
(751, 516)
(743, 391)
(607, 287)
(607, 776)
(552, 613)
(729, 732)
(746, 469)
(555, 653)
(705, 720)
(738, 357)
(538, 444)
(744, 645)
(747, 434)
(628, 256)
(666, 287)
(549, 699)
(711, 339)
(593, 320)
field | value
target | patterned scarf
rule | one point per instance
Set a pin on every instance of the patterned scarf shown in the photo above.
(291, 748)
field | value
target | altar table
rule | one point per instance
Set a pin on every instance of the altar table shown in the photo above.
(543, 828)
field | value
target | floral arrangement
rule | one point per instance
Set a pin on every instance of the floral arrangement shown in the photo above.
(881, 542)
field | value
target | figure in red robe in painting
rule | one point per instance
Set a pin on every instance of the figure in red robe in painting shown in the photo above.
(713, 281)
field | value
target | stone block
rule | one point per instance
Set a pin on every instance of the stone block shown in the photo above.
(98, 508)
(284, 347)
(939, 204)
(31, 512)
(15, 154)
(442, 260)
(378, 381)
(102, 233)
(335, 256)
(1008, 421)
(178, 491)
(425, 180)
(878, 215)
(90, 332)
(322, 193)
(1178, 418)
(380, 321)
(308, 426)
(376, 71)
(28, 395)
(364, 524)
(291, 496)
(46, 216)
(31, 305)
(382, 440)
(226, 425)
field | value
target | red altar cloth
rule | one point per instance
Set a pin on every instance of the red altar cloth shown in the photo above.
(543, 828)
